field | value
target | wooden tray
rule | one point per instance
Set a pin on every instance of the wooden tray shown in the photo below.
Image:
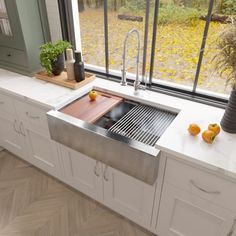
(63, 80)
(91, 111)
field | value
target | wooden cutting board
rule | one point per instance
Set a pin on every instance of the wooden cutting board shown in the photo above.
(91, 111)
(63, 80)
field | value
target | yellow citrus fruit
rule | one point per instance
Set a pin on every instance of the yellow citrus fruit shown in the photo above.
(208, 136)
(92, 95)
(194, 129)
(215, 128)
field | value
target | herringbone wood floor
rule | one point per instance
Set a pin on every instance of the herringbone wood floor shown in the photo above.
(35, 204)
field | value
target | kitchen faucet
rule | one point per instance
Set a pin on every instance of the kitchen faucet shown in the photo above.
(123, 78)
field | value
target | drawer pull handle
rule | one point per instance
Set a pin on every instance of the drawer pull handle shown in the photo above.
(9, 54)
(14, 126)
(232, 228)
(202, 189)
(96, 169)
(32, 117)
(22, 131)
(105, 174)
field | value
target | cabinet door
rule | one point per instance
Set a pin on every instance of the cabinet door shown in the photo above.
(184, 214)
(43, 153)
(33, 117)
(15, 40)
(12, 139)
(82, 173)
(128, 196)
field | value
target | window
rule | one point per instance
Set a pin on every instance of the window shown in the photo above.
(120, 14)
(92, 32)
(179, 40)
(209, 78)
(5, 27)
(179, 37)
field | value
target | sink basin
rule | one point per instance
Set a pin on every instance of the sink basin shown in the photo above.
(138, 122)
(123, 137)
(111, 117)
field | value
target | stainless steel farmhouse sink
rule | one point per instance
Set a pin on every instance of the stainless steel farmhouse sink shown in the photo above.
(123, 137)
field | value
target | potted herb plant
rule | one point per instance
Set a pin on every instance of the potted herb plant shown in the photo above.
(52, 58)
(226, 65)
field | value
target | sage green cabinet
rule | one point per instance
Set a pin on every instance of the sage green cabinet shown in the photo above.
(19, 51)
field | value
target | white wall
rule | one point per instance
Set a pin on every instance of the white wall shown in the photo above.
(54, 20)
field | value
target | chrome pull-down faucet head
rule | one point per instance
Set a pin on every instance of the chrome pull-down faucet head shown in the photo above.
(123, 78)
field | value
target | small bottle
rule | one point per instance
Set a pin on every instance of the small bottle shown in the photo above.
(79, 67)
(70, 64)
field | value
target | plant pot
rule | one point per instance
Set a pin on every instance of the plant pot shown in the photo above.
(228, 122)
(58, 65)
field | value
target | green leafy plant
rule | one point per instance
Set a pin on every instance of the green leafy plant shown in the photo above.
(226, 58)
(49, 53)
(169, 14)
(228, 7)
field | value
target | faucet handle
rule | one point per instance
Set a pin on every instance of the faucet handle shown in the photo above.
(142, 87)
(138, 86)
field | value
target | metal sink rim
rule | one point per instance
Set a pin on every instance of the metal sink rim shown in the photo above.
(151, 150)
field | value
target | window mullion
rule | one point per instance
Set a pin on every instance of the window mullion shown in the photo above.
(154, 35)
(106, 36)
(145, 39)
(205, 34)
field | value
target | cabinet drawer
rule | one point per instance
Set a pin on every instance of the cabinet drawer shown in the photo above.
(205, 185)
(13, 56)
(34, 118)
(184, 214)
(7, 110)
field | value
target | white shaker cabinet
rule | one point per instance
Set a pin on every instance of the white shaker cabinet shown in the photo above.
(43, 153)
(122, 193)
(41, 149)
(30, 146)
(82, 173)
(11, 138)
(24, 132)
(184, 214)
(10, 135)
(128, 196)
(192, 203)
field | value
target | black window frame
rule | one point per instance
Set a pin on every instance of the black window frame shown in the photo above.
(65, 10)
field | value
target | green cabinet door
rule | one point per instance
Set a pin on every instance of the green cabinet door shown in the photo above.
(29, 26)
(16, 40)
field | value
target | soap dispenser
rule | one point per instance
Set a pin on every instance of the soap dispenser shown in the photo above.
(79, 67)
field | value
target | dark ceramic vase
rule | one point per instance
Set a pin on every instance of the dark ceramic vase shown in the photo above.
(58, 65)
(228, 122)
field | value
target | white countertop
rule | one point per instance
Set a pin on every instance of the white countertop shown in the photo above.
(43, 93)
(219, 156)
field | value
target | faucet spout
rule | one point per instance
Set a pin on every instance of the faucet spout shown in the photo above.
(123, 78)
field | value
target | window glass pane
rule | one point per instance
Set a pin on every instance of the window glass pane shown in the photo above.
(124, 15)
(92, 31)
(179, 38)
(209, 78)
(5, 27)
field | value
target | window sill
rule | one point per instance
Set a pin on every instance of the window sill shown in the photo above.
(164, 87)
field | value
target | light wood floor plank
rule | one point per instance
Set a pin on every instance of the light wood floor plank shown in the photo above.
(35, 204)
